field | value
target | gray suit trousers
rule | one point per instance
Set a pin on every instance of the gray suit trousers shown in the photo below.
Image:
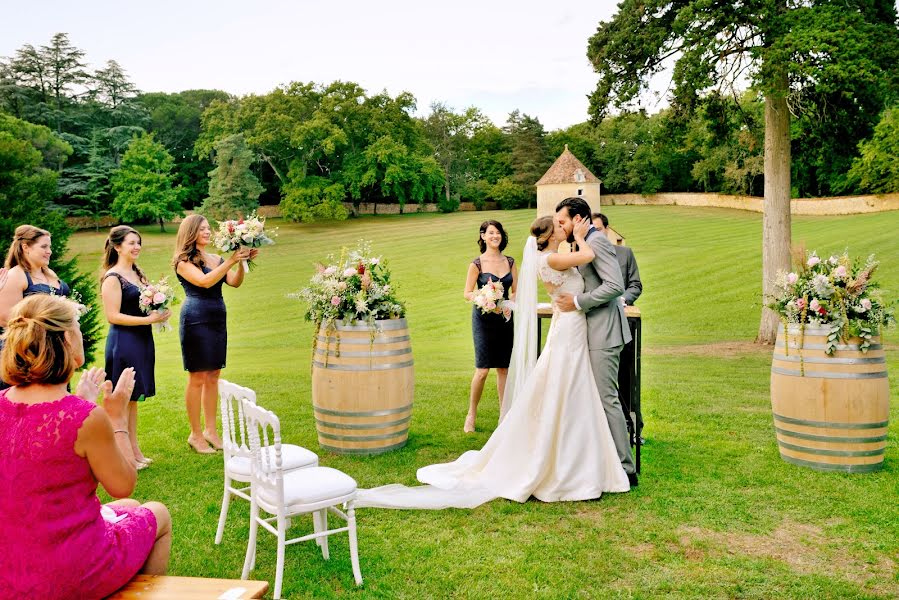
(604, 362)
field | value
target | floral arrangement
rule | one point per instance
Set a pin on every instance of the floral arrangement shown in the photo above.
(157, 296)
(836, 293)
(489, 299)
(74, 297)
(249, 232)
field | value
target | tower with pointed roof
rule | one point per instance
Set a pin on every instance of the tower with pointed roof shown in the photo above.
(566, 177)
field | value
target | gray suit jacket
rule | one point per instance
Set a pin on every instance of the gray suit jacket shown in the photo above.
(633, 287)
(606, 323)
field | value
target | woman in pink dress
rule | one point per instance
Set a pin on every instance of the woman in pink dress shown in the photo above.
(55, 538)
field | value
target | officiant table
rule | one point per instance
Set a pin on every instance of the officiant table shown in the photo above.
(629, 397)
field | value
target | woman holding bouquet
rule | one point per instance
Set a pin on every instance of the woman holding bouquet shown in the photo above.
(28, 272)
(492, 330)
(130, 339)
(204, 334)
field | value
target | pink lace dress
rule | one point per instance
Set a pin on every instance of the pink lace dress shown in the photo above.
(53, 541)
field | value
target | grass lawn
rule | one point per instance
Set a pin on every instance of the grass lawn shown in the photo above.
(717, 513)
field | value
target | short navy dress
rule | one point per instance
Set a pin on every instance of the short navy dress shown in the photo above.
(204, 327)
(37, 288)
(492, 333)
(131, 345)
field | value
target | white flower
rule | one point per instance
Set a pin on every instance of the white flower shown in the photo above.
(813, 260)
(349, 272)
(833, 260)
(792, 278)
(865, 305)
(375, 261)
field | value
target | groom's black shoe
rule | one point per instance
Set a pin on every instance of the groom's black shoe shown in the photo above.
(632, 479)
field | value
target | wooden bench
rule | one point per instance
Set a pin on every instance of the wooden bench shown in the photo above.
(165, 587)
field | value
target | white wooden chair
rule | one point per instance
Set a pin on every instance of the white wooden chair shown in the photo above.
(315, 490)
(236, 448)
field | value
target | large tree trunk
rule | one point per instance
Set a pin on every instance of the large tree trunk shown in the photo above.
(776, 219)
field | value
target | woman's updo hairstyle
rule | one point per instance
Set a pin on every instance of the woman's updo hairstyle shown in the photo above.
(542, 229)
(36, 350)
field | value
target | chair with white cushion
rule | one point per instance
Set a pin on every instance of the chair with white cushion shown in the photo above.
(236, 447)
(284, 494)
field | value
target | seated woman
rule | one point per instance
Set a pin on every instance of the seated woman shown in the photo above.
(54, 449)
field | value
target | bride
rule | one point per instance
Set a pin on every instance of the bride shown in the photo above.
(553, 440)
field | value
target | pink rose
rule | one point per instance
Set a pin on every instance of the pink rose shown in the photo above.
(800, 303)
(491, 305)
(814, 304)
(158, 298)
(866, 304)
(840, 272)
(335, 300)
(330, 271)
(792, 278)
(813, 260)
(349, 272)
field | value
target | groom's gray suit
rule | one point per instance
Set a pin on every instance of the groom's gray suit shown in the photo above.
(607, 333)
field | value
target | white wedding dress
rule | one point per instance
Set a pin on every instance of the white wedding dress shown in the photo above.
(553, 441)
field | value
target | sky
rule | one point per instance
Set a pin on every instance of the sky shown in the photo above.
(497, 55)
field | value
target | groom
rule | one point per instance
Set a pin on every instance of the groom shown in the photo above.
(607, 329)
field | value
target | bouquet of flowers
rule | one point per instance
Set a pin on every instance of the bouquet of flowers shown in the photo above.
(836, 293)
(354, 287)
(489, 299)
(157, 296)
(248, 232)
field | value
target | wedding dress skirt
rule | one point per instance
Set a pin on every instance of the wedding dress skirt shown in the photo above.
(553, 443)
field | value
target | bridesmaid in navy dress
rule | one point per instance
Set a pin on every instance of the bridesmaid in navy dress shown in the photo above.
(27, 272)
(492, 332)
(130, 339)
(204, 333)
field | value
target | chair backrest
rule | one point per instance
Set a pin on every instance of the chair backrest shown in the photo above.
(234, 437)
(264, 431)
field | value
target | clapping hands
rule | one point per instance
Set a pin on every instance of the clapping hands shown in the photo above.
(115, 401)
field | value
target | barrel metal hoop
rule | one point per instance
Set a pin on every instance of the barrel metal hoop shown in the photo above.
(365, 425)
(827, 375)
(363, 368)
(363, 451)
(385, 325)
(363, 438)
(345, 354)
(817, 466)
(379, 339)
(842, 347)
(868, 360)
(830, 424)
(825, 452)
(370, 413)
(824, 438)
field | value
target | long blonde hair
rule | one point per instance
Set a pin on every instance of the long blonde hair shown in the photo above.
(186, 242)
(36, 350)
(25, 236)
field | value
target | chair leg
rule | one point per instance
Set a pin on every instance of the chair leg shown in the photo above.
(279, 568)
(324, 524)
(223, 516)
(249, 560)
(354, 546)
(317, 527)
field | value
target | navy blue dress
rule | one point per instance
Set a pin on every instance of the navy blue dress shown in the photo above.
(204, 328)
(492, 333)
(37, 288)
(131, 345)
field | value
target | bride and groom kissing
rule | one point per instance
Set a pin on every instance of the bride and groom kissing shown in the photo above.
(562, 435)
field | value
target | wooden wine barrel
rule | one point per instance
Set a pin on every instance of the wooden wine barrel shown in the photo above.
(830, 412)
(362, 387)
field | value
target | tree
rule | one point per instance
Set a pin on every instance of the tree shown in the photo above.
(95, 194)
(529, 156)
(143, 186)
(448, 133)
(63, 68)
(233, 189)
(877, 169)
(29, 155)
(788, 49)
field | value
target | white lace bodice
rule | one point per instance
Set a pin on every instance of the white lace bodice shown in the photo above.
(568, 281)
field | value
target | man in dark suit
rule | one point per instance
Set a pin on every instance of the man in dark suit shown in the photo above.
(633, 287)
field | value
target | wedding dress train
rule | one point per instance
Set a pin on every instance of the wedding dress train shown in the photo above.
(553, 441)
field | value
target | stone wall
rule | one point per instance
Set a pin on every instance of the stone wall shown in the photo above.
(840, 205)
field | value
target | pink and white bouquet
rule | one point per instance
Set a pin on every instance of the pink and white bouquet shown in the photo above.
(489, 299)
(157, 296)
(248, 232)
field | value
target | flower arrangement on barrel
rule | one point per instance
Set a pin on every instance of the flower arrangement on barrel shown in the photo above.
(362, 395)
(837, 294)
